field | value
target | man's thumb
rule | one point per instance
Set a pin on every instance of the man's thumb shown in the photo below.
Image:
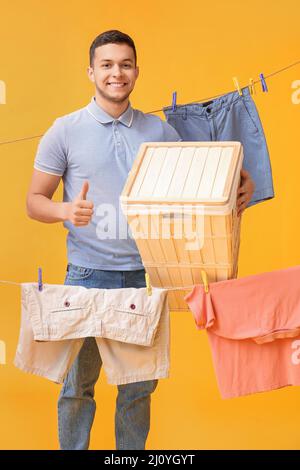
(84, 190)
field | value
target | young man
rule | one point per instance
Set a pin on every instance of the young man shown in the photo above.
(92, 150)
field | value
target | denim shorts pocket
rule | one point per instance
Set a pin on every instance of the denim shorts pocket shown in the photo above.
(250, 112)
(78, 273)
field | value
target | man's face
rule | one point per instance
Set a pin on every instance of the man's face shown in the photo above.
(114, 72)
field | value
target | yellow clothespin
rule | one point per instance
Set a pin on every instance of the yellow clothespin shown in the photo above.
(204, 280)
(252, 86)
(237, 86)
(148, 285)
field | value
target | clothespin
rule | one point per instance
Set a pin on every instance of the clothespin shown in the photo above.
(40, 282)
(263, 82)
(237, 85)
(252, 86)
(204, 280)
(148, 285)
(174, 98)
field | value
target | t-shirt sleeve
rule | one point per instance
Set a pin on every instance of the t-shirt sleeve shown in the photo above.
(170, 134)
(51, 156)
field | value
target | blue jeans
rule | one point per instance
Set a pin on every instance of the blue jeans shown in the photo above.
(76, 404)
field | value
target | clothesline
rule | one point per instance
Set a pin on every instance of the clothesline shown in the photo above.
(164, 288)
(158, 110)
(221, 94)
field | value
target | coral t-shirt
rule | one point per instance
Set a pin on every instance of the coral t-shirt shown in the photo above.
(253, 325)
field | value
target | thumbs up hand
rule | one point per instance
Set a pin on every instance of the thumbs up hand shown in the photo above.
(84, 190)
(80, 210)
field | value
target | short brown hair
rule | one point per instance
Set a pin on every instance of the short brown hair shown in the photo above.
(111, 37)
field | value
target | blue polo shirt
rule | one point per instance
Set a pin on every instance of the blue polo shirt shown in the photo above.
(89, 144)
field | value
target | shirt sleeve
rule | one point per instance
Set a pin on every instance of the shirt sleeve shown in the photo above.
(51, 156)
(170, 134)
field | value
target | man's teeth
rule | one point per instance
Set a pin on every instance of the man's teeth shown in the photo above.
(117, 84)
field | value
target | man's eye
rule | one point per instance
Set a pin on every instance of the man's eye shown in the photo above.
(108, 65)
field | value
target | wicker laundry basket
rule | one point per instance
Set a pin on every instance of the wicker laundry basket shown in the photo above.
(180, 204)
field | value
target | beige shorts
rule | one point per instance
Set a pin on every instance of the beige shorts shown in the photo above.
(130, 327)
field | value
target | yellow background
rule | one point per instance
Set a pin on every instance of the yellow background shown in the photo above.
(194, 47)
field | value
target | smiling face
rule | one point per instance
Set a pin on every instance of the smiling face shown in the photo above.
(113, 72)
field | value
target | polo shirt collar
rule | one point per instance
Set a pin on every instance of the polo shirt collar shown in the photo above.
(100, 115)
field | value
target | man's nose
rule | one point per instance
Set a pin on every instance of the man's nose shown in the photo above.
(117, 71)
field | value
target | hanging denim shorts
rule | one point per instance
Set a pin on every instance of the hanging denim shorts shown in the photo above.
(230, 117)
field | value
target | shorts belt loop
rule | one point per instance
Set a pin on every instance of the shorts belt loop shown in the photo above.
(184, 116)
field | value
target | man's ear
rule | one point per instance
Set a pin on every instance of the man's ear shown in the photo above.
(137, 72)
(90, 72)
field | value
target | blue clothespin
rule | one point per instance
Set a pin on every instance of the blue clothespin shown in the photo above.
(40, 282)
(174, 98)
(263, 82)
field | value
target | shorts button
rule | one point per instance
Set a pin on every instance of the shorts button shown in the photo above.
(132, 306)
(67, 303)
